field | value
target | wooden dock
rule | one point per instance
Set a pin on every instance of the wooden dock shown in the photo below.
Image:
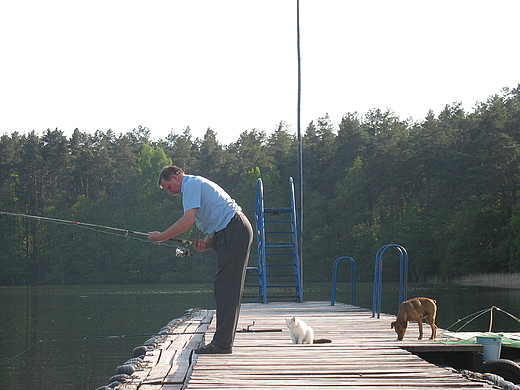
(363, 353)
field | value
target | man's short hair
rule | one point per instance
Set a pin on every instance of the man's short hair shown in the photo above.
(167, 172)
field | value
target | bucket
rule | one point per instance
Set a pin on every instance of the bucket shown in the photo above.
(492, 345)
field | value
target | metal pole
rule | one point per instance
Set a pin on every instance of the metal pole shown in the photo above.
(300, 148)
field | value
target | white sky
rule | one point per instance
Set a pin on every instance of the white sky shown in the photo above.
(231, 65)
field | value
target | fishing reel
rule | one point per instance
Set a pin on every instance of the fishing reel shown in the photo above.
(183, 252)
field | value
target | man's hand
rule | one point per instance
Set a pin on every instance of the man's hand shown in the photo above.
(155, 236)
(200, 245)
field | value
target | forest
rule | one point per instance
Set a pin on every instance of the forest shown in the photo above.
(444, 187)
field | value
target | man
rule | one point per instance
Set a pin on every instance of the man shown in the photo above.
(228, 230)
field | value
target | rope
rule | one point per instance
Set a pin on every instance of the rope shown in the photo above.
(491, 379)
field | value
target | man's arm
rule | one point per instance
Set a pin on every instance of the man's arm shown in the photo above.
(179, 227)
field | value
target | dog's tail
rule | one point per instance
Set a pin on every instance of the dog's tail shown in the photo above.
(322, 341)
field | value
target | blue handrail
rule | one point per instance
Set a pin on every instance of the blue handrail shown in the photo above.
(260, 230)
(378, 277)
(352, 280)
(296, 237)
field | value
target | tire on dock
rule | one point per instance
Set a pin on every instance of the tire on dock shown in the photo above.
(507, 369)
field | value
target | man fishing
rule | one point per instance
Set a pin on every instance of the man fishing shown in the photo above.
(227, 230)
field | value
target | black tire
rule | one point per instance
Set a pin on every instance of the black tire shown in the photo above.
(507, 369)
(140, 351)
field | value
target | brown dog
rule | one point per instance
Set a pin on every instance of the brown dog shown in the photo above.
(417, 310)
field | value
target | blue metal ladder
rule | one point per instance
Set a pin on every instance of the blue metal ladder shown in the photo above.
(279, 268)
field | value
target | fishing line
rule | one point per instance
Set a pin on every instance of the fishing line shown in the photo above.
(21, 353)
(95, 338)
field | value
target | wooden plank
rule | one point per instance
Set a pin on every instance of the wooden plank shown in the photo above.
(163, 367)
(150, 361)
(146, 386)
(336, 377)
(158, 387)
(181, 365)
(313, 386)
(351, 381)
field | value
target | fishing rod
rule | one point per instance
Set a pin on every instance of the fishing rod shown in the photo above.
(479, 313)
(91, 225)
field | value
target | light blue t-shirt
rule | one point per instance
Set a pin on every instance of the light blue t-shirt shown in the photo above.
(215, 208)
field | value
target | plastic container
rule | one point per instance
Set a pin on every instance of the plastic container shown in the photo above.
(492, 346)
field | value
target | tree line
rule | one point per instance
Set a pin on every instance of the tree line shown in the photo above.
(444, 187)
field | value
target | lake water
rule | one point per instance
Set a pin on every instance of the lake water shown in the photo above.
(74, 337)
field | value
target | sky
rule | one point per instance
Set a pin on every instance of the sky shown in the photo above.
(231, 65)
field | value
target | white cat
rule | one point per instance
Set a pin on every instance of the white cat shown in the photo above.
(300, 332)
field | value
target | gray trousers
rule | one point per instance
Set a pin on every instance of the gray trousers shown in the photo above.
(233, 245)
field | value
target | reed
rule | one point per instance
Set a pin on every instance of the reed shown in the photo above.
(437, 279)
(506, 280)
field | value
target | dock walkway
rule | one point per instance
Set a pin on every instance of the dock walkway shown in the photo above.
(363, 353)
